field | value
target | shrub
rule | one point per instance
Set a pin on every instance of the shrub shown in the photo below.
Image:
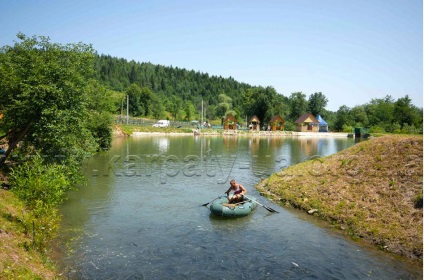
(42, 187)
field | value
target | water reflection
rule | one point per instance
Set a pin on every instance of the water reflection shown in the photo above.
(140, 216)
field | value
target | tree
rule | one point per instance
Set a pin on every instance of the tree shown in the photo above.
(359, 116)
(100, 105)
(175, 106)
(380, 111)
(43, 97)
(224, 105)
(298, 105)
(343, 118)
(135, 107)
(403, 111)
(190, 111)
(317, 103)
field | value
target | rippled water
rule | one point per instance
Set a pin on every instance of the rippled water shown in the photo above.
(140, 216)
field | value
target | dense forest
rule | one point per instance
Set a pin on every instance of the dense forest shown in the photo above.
(158, 91)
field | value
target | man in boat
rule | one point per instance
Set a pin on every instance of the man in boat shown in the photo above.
(238, 192)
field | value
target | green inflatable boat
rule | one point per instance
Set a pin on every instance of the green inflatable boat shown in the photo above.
(221, 207)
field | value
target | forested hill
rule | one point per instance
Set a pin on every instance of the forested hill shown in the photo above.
(118, 74)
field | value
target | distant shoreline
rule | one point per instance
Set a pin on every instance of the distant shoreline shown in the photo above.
(243, 133)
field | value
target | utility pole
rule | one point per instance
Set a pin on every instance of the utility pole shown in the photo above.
(127, 108)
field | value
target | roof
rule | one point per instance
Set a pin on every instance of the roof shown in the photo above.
(306, 118)
(230, 117)
(321, 120)
(254, 119)
(277, 118)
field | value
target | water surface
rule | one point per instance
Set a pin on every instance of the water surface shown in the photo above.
(140, 216)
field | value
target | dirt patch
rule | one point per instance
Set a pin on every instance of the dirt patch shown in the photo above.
(118, 132)
(372, 191)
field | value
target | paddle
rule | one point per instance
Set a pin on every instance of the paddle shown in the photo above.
(210, 201)
(266, 207)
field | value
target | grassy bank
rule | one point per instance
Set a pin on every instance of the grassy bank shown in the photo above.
(372, 191)
(129, 129)
(18, 260)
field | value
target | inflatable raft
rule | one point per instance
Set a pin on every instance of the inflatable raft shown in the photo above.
(221, 207)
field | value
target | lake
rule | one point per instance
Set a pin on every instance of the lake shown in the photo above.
(140, 216)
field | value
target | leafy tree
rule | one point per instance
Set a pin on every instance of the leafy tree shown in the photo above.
(262, 102)
(224, 105)
(43, 93)
(359, 116)
(380, 111)
(175, 106)
(298, 105)
(344, 118)
(403, 111)
(156, 108)
(317, 103)
(135, 106)
(100, 105)
(190, 111)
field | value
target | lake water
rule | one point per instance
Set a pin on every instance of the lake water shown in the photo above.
(140, 216)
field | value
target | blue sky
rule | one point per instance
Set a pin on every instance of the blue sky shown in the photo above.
(350, 50)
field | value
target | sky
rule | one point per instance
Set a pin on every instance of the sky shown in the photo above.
(352, 51)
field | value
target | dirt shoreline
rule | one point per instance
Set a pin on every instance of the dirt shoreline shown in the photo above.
(372, 191)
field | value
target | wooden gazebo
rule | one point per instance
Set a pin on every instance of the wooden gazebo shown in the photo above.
(230, 122)
(254, 123)
(276, 123)
(307, 123)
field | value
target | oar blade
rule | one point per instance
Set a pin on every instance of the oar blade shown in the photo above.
(210, 201)
(266, 207)
(270, 209)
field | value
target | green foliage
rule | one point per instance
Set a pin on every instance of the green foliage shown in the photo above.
(317, 103)
(347, 128)
(382, 115)
(168, 83)
(298, 105)
(377, 129)
(289, 126)
(44, 92)
(36, 181)
(189, 110)
(343, 118)
(263, 102)
(42, 187)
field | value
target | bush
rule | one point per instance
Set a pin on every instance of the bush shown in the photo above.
(377, 129)
(289, 126)
(42, 187)
(347, 128)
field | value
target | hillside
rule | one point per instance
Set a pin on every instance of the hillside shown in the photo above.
(118, 74)
(372, 191)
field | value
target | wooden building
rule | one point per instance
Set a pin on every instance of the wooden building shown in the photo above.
(307, 123)
(230, 122)
(254, 123)
(276, 123)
